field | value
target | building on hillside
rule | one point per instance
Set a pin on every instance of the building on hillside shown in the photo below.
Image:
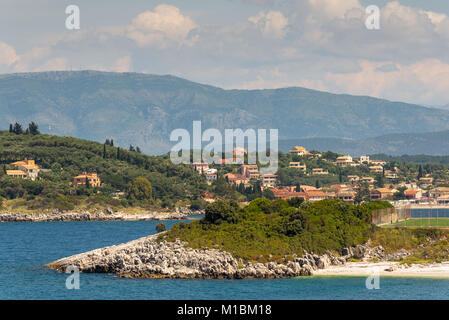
(346, 195)
(389, 174)
(299, 151)
(376, 169)
(439, 192)
(369, 180)
(94, 180)
(298, 165)
(26, 169)
(250, 171)
(382, 193)
(16, 174)
(427, 180)
(413, 194)
(200, 167)
(344, 161)
(378, 162)
(353, 178)
(288, 193)
(237, 179)
(315, 195)
(211, 175)
(268, 180)
(307, 188)
(364, 159)
(318, 171)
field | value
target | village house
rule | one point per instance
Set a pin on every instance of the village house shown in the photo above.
(268, 180)
(376, 169)
(426, 180)
(315, 195)
(250, 171)
(318, 171)
(26, 169)
(378, 162)
(200, 167)
(298, 165)
(288, 193)
(234, 178)
(305, 188)
(413, 194)
(364, 159)
(344, 161)
(369, 180)
(346, 195)
(439, 192)
(299, 151)
(211, 175)
(94, 180)
(353, 178)
(382, 193)
(390, 174)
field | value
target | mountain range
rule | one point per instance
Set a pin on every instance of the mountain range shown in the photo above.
(143, 109)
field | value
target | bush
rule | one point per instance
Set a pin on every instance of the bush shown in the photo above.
(160, 227)
(220, 211)
(198, 204)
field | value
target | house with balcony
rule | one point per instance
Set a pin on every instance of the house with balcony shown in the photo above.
(268, 180)
(26, 169)
(298, 165)
(319, 171)
(299, 151)
(94, 180)
(344, 161)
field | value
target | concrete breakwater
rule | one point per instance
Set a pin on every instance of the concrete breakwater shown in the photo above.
(105, 215)
(150, 257)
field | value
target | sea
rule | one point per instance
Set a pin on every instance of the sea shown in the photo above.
(25, 248)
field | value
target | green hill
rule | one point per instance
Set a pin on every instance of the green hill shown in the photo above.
(66, 157)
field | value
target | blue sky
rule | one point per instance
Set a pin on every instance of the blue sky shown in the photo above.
(245, 44)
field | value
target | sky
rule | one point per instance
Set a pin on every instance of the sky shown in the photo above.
(242, 44)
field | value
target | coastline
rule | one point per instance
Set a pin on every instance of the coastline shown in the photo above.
(387, 269)
(106, 215)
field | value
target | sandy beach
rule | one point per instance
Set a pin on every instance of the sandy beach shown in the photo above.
(394, 269)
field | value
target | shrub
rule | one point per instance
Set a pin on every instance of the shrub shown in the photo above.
(160, 227)
(220, 211)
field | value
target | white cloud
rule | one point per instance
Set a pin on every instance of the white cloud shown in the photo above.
(425, 82)
(122, 64)
(8, 55)
(166, 22)
(272, 24)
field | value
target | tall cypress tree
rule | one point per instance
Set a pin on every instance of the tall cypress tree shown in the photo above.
(104, 151)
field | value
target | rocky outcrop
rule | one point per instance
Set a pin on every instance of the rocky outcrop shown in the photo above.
(152, 258)
(107, 214)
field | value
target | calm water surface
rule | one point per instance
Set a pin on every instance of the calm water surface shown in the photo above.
(25, 248)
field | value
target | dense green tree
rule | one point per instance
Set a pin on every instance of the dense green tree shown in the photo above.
(140, 189)
(33, 128)
(220, 211)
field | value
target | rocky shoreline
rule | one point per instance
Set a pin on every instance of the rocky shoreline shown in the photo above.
(149, 257)
(105, 215)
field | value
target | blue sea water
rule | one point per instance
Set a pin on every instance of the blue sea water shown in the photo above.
(25, 248)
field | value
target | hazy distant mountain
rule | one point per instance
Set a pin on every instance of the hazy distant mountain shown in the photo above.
(431, 143)
(142, 109)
